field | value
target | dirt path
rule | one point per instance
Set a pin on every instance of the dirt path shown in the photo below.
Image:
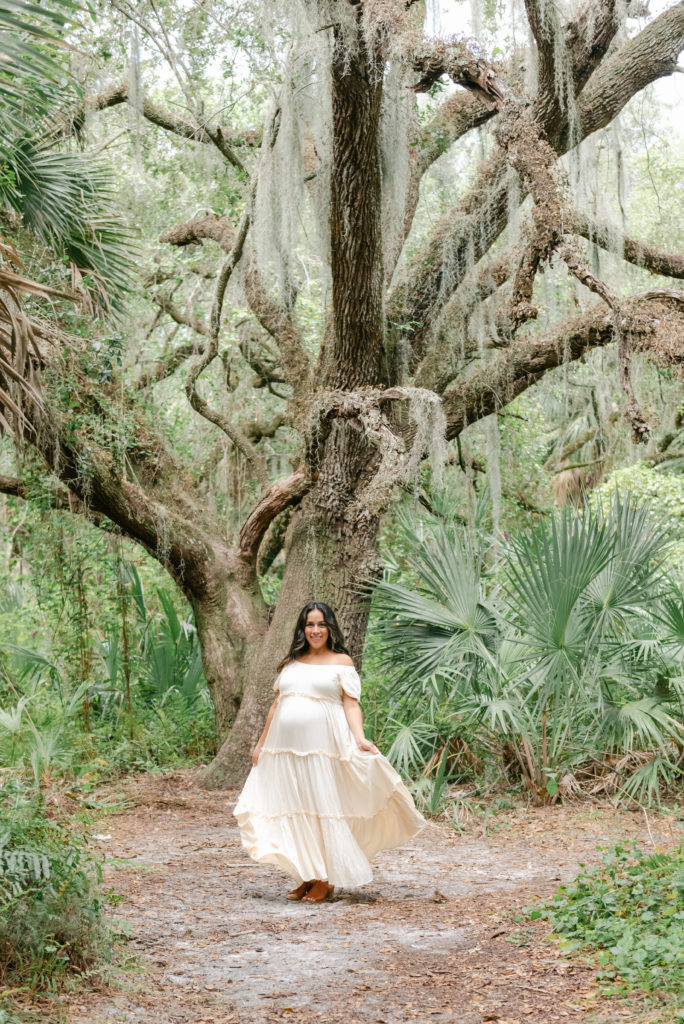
(432, 939)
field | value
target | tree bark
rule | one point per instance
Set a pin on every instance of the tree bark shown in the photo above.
(327, 560)
(331, 545)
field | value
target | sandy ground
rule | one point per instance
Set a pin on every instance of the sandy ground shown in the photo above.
(433, 938)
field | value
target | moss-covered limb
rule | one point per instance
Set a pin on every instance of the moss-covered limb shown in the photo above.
(174, 530)
(545, 25)
(432, 59)
(568, 54)
(277, 321)
(210, 352)
(167, 364)
(451, 343)
(14, 487)
(261, 354)
(223, 137)
(664, 346)
(587, 38)
(648, 56)
(274, 541)
(521, 308)
(463, 235)
(640, 427)
(591, 32)
(58, 497)
(179, 316)
(97, 442)
(535, 162)
(197, 229)
(641, 254)
(655, 321)
(457, 115)
(154, 502)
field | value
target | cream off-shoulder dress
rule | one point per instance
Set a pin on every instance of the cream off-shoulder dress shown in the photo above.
(315, 804)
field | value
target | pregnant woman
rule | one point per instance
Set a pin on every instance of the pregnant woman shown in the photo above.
(321, 799)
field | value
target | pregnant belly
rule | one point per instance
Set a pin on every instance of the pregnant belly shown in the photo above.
(304, 725)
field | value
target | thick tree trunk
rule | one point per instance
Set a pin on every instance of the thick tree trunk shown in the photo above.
(330, 555)
(331, 544)
(231, 623)
(353, 353)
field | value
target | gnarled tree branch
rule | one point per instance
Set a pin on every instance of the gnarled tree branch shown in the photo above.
(463, 235)
(654, 319)
(641, 254)
(167, 364)
(277, 321)
(279, 496)
(199, 404)
(180, 317)
(204, 225)
(218, 135)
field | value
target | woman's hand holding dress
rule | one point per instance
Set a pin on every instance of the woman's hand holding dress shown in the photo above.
(322, 800)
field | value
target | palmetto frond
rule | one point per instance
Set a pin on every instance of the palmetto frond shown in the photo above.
(640, 724)
(645, 784)
(436, 626)
(669, 613)
(408, 749)
(64, 199)
(581, 654)
(19, 351)
(634, 572)
(550, 569)
(29, 67)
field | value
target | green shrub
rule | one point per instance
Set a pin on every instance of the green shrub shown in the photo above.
(52, 919)
(630, 912)
(175, 734)
(562, 667)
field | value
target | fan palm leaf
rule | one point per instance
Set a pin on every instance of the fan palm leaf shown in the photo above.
(643, 724)
(29, 69)
(435, 627)
(65, 199)
(62, 198)
(408, 749)
(669, 612)
(634, 573)
(551, 565)
(645, 784)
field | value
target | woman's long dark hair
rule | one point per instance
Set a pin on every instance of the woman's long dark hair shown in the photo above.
(300, 645)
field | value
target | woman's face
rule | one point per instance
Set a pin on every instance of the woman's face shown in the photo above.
(315, 630)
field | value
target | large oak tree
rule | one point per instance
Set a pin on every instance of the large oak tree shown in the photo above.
(395, 364)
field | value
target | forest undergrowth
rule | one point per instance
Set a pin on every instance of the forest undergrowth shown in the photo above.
(543, 673)
(628, 915)
(201, 933)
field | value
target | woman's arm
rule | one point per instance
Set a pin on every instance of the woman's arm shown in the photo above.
(352, 710)
(262, 738)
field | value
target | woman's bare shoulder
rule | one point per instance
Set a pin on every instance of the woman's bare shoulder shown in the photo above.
(343, 659)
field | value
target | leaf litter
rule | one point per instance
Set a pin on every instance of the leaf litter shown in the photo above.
(437, 936)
